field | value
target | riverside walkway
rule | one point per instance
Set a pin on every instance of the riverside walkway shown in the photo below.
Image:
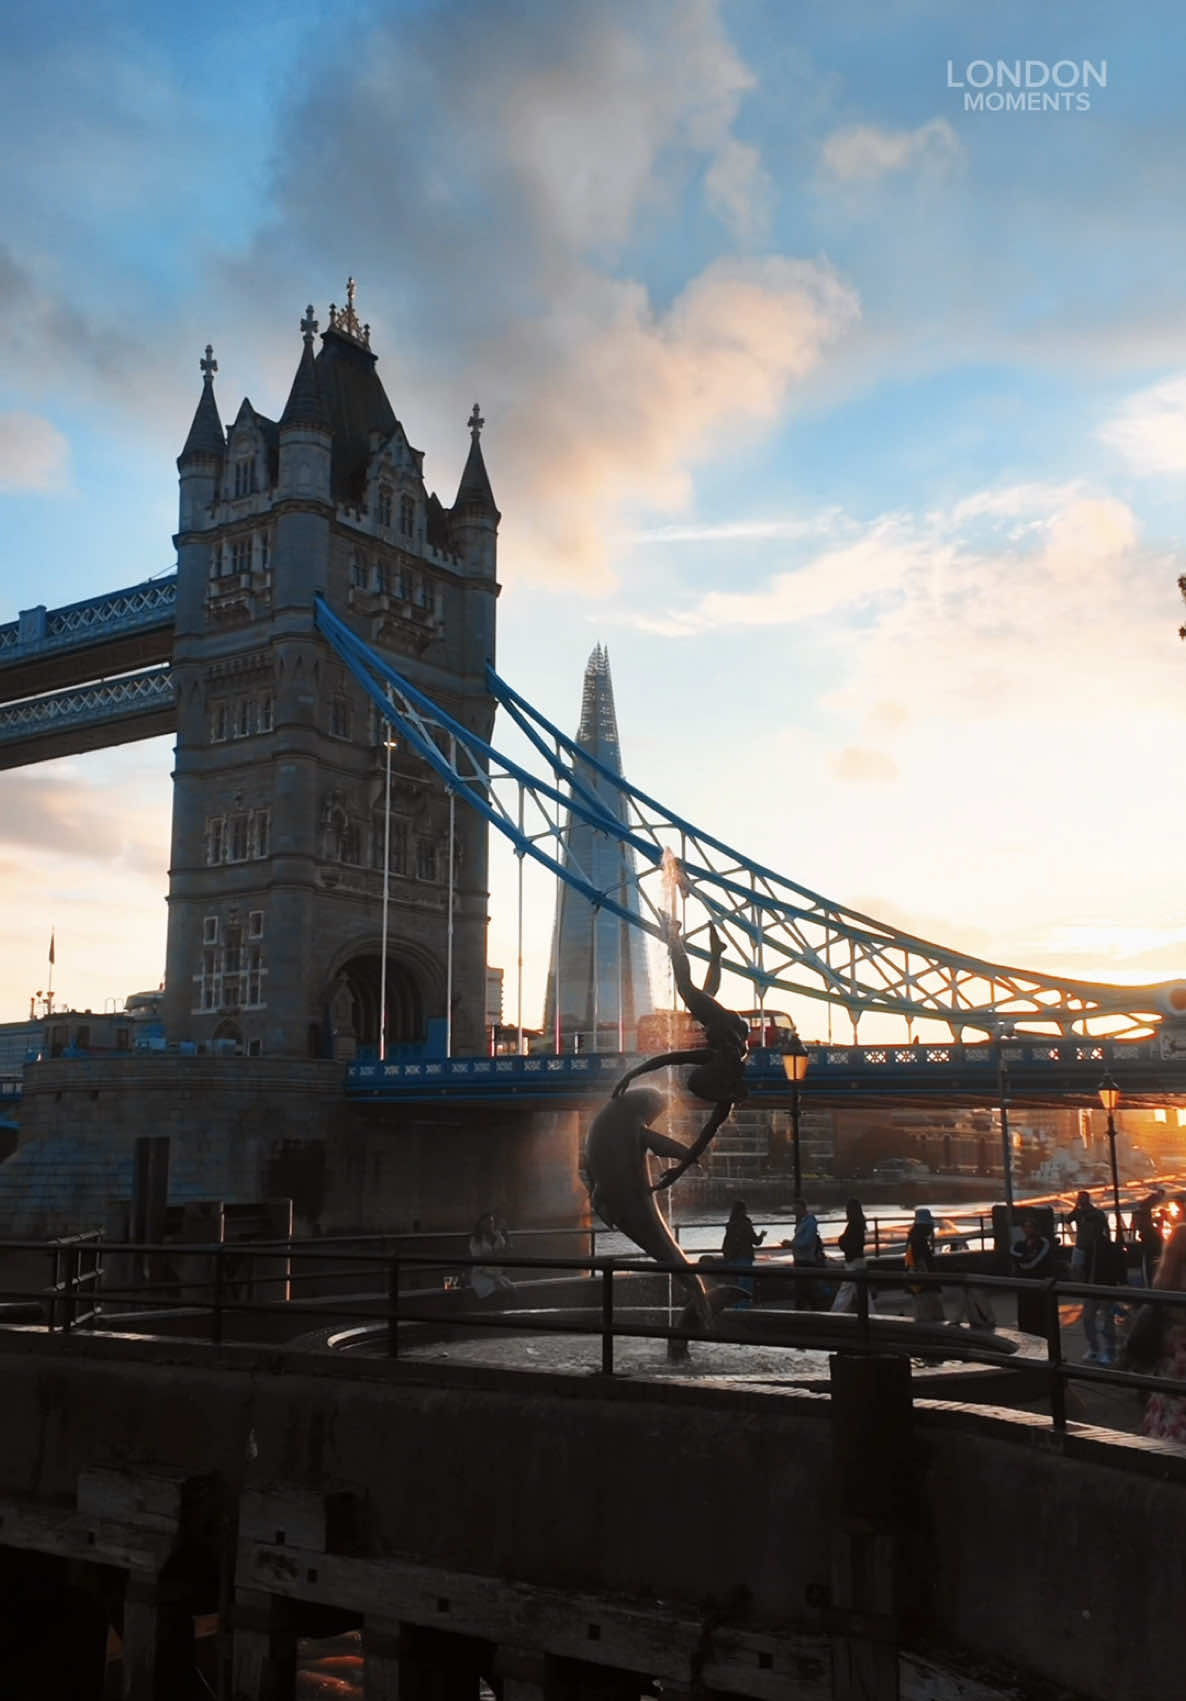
(578, 1533)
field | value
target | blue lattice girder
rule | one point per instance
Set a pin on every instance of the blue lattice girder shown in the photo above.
(778, 935)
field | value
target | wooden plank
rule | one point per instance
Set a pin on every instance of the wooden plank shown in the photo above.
(157, 1499)
(656, 1642)
(71, 1534)
(294, 1517)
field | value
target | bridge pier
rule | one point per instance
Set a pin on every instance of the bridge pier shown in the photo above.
(872, 1435)
(265, 1647)
(158, 1639)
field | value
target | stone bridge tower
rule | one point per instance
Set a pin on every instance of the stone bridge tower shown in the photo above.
(279, 818)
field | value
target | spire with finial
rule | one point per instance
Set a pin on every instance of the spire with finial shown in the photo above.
(305, 404)
(474, 491)
(206, 436)
(345, 320)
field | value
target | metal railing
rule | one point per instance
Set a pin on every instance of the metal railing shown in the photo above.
(393, 1303)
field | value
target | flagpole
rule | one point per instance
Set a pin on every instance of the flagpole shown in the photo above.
(49, 995)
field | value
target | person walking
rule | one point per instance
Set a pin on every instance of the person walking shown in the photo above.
(1147, 1237)
(926, 1302)
(1094, 1260)
(737, 1248)
(851, 1243)
(1086, 1219)
(1033, 1258)
(807, 1253)
(488, 1238)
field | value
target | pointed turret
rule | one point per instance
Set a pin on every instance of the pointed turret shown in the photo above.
(305, 431)
(200, 463)
(206, 436)
(474, 517)
(474, 494)
(305, 404)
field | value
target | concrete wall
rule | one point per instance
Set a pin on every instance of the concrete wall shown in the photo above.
(1018, 1546)
(253, 1128)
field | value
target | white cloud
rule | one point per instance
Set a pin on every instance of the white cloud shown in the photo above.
(865, 153)
(34, 456)
(1010, 665)
(863, 766)
(507, 183)
(1149, 430)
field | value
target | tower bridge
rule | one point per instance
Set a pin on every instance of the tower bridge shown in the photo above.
(325, 656)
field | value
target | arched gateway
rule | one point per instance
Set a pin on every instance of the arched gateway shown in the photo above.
(291, 815)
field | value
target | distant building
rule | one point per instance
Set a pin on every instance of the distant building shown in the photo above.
(603, 986)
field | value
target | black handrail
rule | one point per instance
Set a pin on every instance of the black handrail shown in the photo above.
(391, 1310)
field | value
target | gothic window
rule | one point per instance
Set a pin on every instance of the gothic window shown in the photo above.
(399, 848)
(255, 924)
(241, 555)
(244, 717)
(232, 965)
(265, 712)
(339, 718)
(407, 514)
(216, 839)
(238, 839)
(210, 930)
(215, 560)
(209, 981)
(384, 504)
(264, 551)
(358, 571)
(419, 592)
(352, 844)
(255, 969)
(245, 475)
(261, 833)
(219, 722)
(426, 860)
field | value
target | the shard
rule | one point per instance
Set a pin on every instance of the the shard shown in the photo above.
(598, 960)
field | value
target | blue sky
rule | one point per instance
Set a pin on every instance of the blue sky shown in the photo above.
(853, 422)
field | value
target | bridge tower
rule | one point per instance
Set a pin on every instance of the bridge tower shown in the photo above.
(281, 796)
(598, 960)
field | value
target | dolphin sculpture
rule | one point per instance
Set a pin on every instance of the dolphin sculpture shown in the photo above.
(615, 1169)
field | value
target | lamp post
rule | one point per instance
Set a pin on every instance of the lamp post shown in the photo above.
(1006, 1145)
(795, 1064)
(1110, 1097)
(389, 744)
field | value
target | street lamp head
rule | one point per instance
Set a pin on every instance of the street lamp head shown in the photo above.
(795, 1059)
(1109, 1094)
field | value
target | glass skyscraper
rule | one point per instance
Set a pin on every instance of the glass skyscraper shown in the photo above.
(598, 960)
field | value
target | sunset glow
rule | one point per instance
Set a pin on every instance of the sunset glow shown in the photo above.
(852, 422)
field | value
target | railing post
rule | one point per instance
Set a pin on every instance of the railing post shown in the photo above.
(55, 1276)
(863, 1304)
(607, 1321)
(876, 1238)
(393, 1308)
(71, 1302)
(1058, 1387)
(216, 1315)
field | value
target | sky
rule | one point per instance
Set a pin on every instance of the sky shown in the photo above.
(851, 420)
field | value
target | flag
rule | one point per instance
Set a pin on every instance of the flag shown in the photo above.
(51, 945)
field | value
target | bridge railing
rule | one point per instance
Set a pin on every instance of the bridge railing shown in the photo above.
(394, 1308)
(150, 603)
(539, 1071)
